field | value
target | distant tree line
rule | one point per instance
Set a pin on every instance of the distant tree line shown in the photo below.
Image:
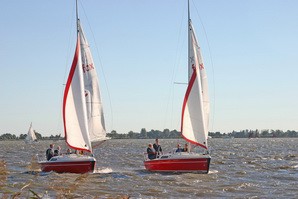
(143, 134)
(266, 133)
(167, 134)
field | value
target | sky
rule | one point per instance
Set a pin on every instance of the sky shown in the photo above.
(140, 50)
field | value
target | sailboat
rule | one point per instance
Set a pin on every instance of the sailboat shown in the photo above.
(31, 137)
(194, 119)
(83, 117)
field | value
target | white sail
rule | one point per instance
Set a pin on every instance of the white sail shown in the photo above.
(95, 115)
(31, 135)
(74, 106)
(195, 110)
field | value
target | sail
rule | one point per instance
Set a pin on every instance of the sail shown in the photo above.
(96, 124)
(74, 106)
(195, 110)
(31, 135)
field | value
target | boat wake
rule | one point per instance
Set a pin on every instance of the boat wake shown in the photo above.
(212, 171)
(103, 170)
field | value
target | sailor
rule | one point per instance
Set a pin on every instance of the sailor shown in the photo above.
(157, 147)
(151, 152)
(57, 152)
(50, 152)
(185, 149)
(68, 152)
(179, 149)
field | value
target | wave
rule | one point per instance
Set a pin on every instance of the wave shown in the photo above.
(103, 170)
(212, 171)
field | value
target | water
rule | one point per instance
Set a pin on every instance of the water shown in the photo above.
(240, 168)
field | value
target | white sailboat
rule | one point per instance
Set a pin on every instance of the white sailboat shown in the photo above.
(31, 137)
(82, 111)
(194, 119)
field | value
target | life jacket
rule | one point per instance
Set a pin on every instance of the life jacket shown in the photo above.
(157, 148)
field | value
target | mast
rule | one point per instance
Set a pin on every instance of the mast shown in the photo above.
(77, 16)
(188, 64)
(189, 40)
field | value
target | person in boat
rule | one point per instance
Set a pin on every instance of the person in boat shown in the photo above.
(157, 147)
(50, 152)
(68, 152)
(151, 152)
(57, 152)
(185, 149)
(79, 152)
(179, 149)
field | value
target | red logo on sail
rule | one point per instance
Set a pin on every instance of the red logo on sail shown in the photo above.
(87, 67)
(201, 66)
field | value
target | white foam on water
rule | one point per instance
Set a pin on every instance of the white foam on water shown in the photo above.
(103, 170)
(212, 171)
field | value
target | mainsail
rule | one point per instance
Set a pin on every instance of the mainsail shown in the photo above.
(195, 110)
(93, 101)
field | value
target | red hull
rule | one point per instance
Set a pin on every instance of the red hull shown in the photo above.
(70, 166)
(200, 165)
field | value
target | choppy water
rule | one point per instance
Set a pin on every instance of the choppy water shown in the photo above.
(240, 168)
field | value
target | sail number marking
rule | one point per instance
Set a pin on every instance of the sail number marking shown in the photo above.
(87, 67)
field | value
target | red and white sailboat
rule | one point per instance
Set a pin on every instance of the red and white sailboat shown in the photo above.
(194, 120)
(82, 112)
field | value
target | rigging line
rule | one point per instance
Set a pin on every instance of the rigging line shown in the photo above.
(67, 65)
(174, 73)
(101, 66)
(211, 61)
(77, 16)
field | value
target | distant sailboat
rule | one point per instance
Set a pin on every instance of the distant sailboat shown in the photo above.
(82, 112)
(31, 137)
(194, 120)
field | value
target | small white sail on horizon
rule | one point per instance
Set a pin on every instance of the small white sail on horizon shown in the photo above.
(31, 137)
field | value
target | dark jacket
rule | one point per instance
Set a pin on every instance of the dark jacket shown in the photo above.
(49, 153)
(157, 148)
(151, 153)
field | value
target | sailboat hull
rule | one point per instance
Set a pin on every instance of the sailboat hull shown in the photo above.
(69, 164)
(180, 162)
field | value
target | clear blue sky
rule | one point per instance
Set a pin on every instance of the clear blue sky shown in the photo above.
(141, 46)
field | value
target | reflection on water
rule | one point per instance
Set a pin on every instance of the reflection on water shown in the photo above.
(261, 168)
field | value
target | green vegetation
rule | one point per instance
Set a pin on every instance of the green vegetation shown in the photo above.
(167, 134)
(146, 135)
(255, 134)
